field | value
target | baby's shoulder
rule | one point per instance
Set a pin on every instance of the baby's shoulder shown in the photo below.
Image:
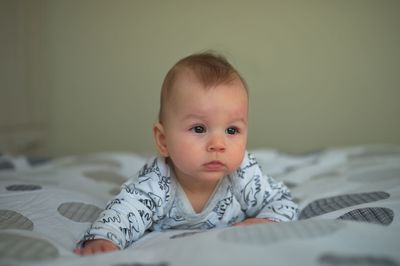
(153, 177)
(151, 186)
(154, 169)
(249, 176)
(247, 169)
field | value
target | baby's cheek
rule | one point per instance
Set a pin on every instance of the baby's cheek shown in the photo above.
(239, 155)
(186, 159)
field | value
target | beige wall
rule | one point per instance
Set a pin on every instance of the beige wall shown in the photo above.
(24, 91)
(321, 73)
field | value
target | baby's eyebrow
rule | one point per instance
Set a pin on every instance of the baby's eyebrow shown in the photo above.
(240, 120)
(194, 116)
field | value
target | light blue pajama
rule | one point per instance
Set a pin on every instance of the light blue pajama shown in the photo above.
(155, 201)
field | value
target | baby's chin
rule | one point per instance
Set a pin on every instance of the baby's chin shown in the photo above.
(213, 176)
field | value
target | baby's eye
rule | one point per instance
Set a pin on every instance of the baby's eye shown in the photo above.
(198, 129)
(232, 130)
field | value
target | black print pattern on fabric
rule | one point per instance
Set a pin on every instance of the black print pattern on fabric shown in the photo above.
(147, 171)
(110, 219)
(89, 236)
(133, 221)
(128, 234)
(274, 185)
(112, 203)
(284, 210)
(266, 199)
(175, 215)
(114, 238)
(250, 191)
(131, 189)
(251, 161)
(202, 225)
(156, 199)
(222, 206)
(152, 203)
(145, 216)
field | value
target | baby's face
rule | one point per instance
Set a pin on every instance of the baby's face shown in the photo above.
(206, 129)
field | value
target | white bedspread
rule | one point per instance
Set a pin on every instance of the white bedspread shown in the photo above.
(349, 197)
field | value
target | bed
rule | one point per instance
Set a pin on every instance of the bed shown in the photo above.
(349, 199)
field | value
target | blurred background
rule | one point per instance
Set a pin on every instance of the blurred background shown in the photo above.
(82, 76)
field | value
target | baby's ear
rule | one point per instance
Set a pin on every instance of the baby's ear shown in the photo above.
(159, 138)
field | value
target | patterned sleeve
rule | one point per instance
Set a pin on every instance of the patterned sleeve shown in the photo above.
(260, 195)
(133, 210)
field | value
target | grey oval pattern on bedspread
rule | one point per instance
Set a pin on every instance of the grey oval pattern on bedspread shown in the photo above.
(105, 176)
(355, 260)
(24, 187)
(326, 205)
(25, 248)
(382, 216)
(13, 220)
(79, 212)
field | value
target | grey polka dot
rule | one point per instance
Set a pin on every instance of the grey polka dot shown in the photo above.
(355, 260)
(290, 185)
(326, 205)
(106, 176)
(25, 248)
(328, 174)
(114, 191)
(185, 234)
(36, 161)
(266, 234)
(23, 187)
(296, 200)
(79, 212)
(13, 220)
(6, 165)
(87, 160)
(290, 169)
(382, 216)
(377, 152)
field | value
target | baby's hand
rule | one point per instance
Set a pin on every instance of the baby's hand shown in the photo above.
(253, 221)
(96, 246)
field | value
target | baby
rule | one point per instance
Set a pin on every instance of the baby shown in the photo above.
(203, 177)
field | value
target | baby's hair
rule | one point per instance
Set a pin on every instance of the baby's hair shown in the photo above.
(209, 68)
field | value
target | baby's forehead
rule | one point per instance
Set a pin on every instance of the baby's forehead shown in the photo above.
(188, 79)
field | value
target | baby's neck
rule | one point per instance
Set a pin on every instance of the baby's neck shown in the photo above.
(199, 197)
(198, 193)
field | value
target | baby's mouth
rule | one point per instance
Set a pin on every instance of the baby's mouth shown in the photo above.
(214, 166)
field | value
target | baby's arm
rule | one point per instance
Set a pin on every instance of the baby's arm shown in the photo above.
(129, 214)
(91, 247)
(263, 197)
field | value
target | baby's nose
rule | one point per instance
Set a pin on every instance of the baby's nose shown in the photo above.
(216, 144)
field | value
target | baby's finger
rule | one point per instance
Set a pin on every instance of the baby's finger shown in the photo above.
(239, 224)
(78, 251)
(88, 250)
(109, 248)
